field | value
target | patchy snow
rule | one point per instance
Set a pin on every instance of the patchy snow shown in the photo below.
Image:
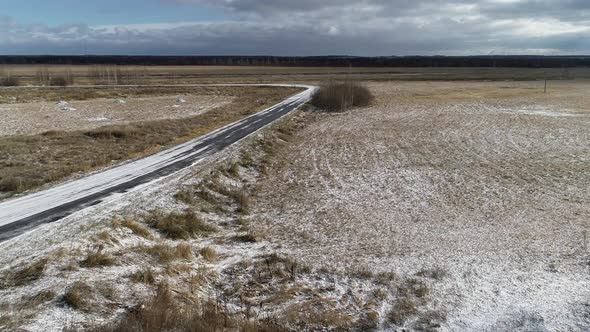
(543, 110)
(98, 119)
(501, 203)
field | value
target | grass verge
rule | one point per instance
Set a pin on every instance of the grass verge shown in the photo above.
(27, 162)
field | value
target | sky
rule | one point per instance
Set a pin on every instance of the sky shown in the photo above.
(295, 27)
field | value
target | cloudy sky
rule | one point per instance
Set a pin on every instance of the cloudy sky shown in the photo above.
(295, 27)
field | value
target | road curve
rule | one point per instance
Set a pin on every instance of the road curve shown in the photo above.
(22, 214)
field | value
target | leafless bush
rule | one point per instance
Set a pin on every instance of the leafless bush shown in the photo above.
(43, 76)
(110, 132)
(9, 81)
(59, 81)
(340, 96)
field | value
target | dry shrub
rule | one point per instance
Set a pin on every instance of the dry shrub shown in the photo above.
(403, 309)
(186, 196)
(97, 259)
(179, 226)
(436, 273)
(9, 81)
(209, 254)
(38, 299)
(137, 228)
(60, 81)
(166, 253)
(340, 96)
(110, 132)
(317, 314)
(251, 237)
(164, 313)
(145, 276)
(414, 287)
(23, 276)
(78, 296)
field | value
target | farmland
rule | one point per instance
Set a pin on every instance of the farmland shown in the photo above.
(457, 200)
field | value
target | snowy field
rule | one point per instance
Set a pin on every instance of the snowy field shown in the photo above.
(489, 182)
(468, 200)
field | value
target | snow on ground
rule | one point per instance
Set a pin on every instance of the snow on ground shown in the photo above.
(441, 176)
(436, 184)
(39, 117)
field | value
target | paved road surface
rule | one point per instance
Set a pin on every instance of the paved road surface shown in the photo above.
(25, 213)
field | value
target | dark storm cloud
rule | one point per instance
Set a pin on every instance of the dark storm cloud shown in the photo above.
(355, 27)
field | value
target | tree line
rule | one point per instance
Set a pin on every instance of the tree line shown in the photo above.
(524, 61)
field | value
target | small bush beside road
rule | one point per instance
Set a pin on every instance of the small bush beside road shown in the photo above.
(339, 96)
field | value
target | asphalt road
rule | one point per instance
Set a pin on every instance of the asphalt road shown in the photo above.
(23, 214)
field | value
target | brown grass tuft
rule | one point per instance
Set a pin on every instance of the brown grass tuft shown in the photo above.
(78, 296)
(97, 259)
(164, 313)
(137, 228)
(179, 226)
(186, 196)
(403, 309)
(209, 254)
(23, 276)
(38, 299)
(145, 276)
(166, 253)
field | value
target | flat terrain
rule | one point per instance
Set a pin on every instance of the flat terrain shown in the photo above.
(81, 133)
(489, 182)
(39, 117)
(458, 205)
(30, 74)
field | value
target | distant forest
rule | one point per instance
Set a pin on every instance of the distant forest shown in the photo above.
(315, 61)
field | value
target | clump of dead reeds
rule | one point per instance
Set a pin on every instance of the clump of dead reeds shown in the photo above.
(339, 96)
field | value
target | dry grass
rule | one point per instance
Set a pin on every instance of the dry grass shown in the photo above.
(60, 81)
(78, 296)
(340, 96)
(164, 313)
(27, 162)
(179, 226)
(97, 259)
(251, 236)
(209, 254)
(186, 196)
(9, 81)
(38, 299)
(146, 276)
(166, 253)
(137, 228)
(23, 276)
(403, 309)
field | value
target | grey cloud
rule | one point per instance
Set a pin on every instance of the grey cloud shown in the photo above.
(353, 27)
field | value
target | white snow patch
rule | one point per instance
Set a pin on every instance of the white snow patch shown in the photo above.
(98, 119)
